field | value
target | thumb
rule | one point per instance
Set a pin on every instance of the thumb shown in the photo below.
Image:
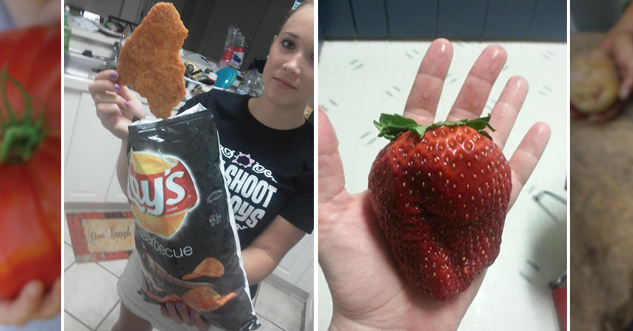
(51, 304)
(623, 55)
(198, 322)
(331, 176)
(49, 14)
(21, 310)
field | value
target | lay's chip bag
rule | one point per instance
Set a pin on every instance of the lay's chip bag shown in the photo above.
(185, 232)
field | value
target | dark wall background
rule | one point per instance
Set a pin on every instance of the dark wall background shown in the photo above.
(456, 19)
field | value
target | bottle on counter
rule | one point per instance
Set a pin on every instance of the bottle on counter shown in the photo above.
(67, 30)
(226, 58)
(247, 83)
(238, 55)
(229, 47)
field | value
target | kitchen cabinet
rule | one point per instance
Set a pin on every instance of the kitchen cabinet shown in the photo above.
(297, 267)
(71, 103)
(208, 22)
(460, 19)
(368, 24)
(115, 194)
(90, 150)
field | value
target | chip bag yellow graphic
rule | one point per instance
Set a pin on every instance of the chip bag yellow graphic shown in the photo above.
(161, 190)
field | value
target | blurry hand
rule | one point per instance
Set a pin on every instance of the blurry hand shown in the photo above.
(116, 105)
(32, 304)
(619, 44)
(34, 12)
(182, 315)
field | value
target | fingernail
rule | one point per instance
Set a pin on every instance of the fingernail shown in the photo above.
(113, 74)
(117, 87)
(33, 289)
(121, 112)
(180, 306)
(126, 103)
(193, 315)
(170, 306)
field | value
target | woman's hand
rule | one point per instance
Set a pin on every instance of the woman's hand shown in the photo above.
(116, 105)
(619, 45)
(178, 312)
(601, 117)
(33, 12)
(368, 290)
(32, 304)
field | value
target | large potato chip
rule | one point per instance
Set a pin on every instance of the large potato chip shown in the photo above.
(204, 298)
(210, 267)
(150, 59)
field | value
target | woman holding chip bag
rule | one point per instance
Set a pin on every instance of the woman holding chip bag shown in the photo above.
(267, 153)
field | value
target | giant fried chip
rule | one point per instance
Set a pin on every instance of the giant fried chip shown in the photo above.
(150, 59)
(209, 267)
(204, 298)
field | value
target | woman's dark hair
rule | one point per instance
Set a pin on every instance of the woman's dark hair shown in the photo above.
(292, 11)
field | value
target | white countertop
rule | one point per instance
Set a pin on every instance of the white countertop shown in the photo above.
(96, 36)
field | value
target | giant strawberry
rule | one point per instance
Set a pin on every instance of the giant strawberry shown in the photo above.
(441, 195)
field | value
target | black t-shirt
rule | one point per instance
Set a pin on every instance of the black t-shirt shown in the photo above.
(268, 172)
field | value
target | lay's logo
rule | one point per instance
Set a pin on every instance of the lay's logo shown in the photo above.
(161, 190)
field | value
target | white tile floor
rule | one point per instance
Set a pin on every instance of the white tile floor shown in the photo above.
(360, 80)
(92, 304)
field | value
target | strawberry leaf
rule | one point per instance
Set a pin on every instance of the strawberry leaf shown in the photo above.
(391, 126)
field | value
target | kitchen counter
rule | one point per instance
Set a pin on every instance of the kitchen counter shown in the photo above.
(81, 84)
(97, 42)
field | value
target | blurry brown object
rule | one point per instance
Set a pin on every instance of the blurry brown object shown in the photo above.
(601, 210)
(150, 60)
(594, 82)
(210, 267)
(204, 298)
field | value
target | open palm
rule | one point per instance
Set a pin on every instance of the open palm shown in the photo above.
(367, 288)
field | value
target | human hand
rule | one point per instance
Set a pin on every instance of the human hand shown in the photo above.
(601, 117)
(368, 289)
(32, 304)
(178, 312)
(619, 45)
(34, 12)
(116, 105)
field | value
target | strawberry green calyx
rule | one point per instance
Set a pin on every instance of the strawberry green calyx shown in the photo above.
(391, 126)
(19, 136)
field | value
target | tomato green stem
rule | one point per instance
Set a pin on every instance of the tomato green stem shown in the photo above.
(19, 137)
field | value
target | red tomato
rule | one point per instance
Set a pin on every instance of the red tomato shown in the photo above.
(30, 185)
